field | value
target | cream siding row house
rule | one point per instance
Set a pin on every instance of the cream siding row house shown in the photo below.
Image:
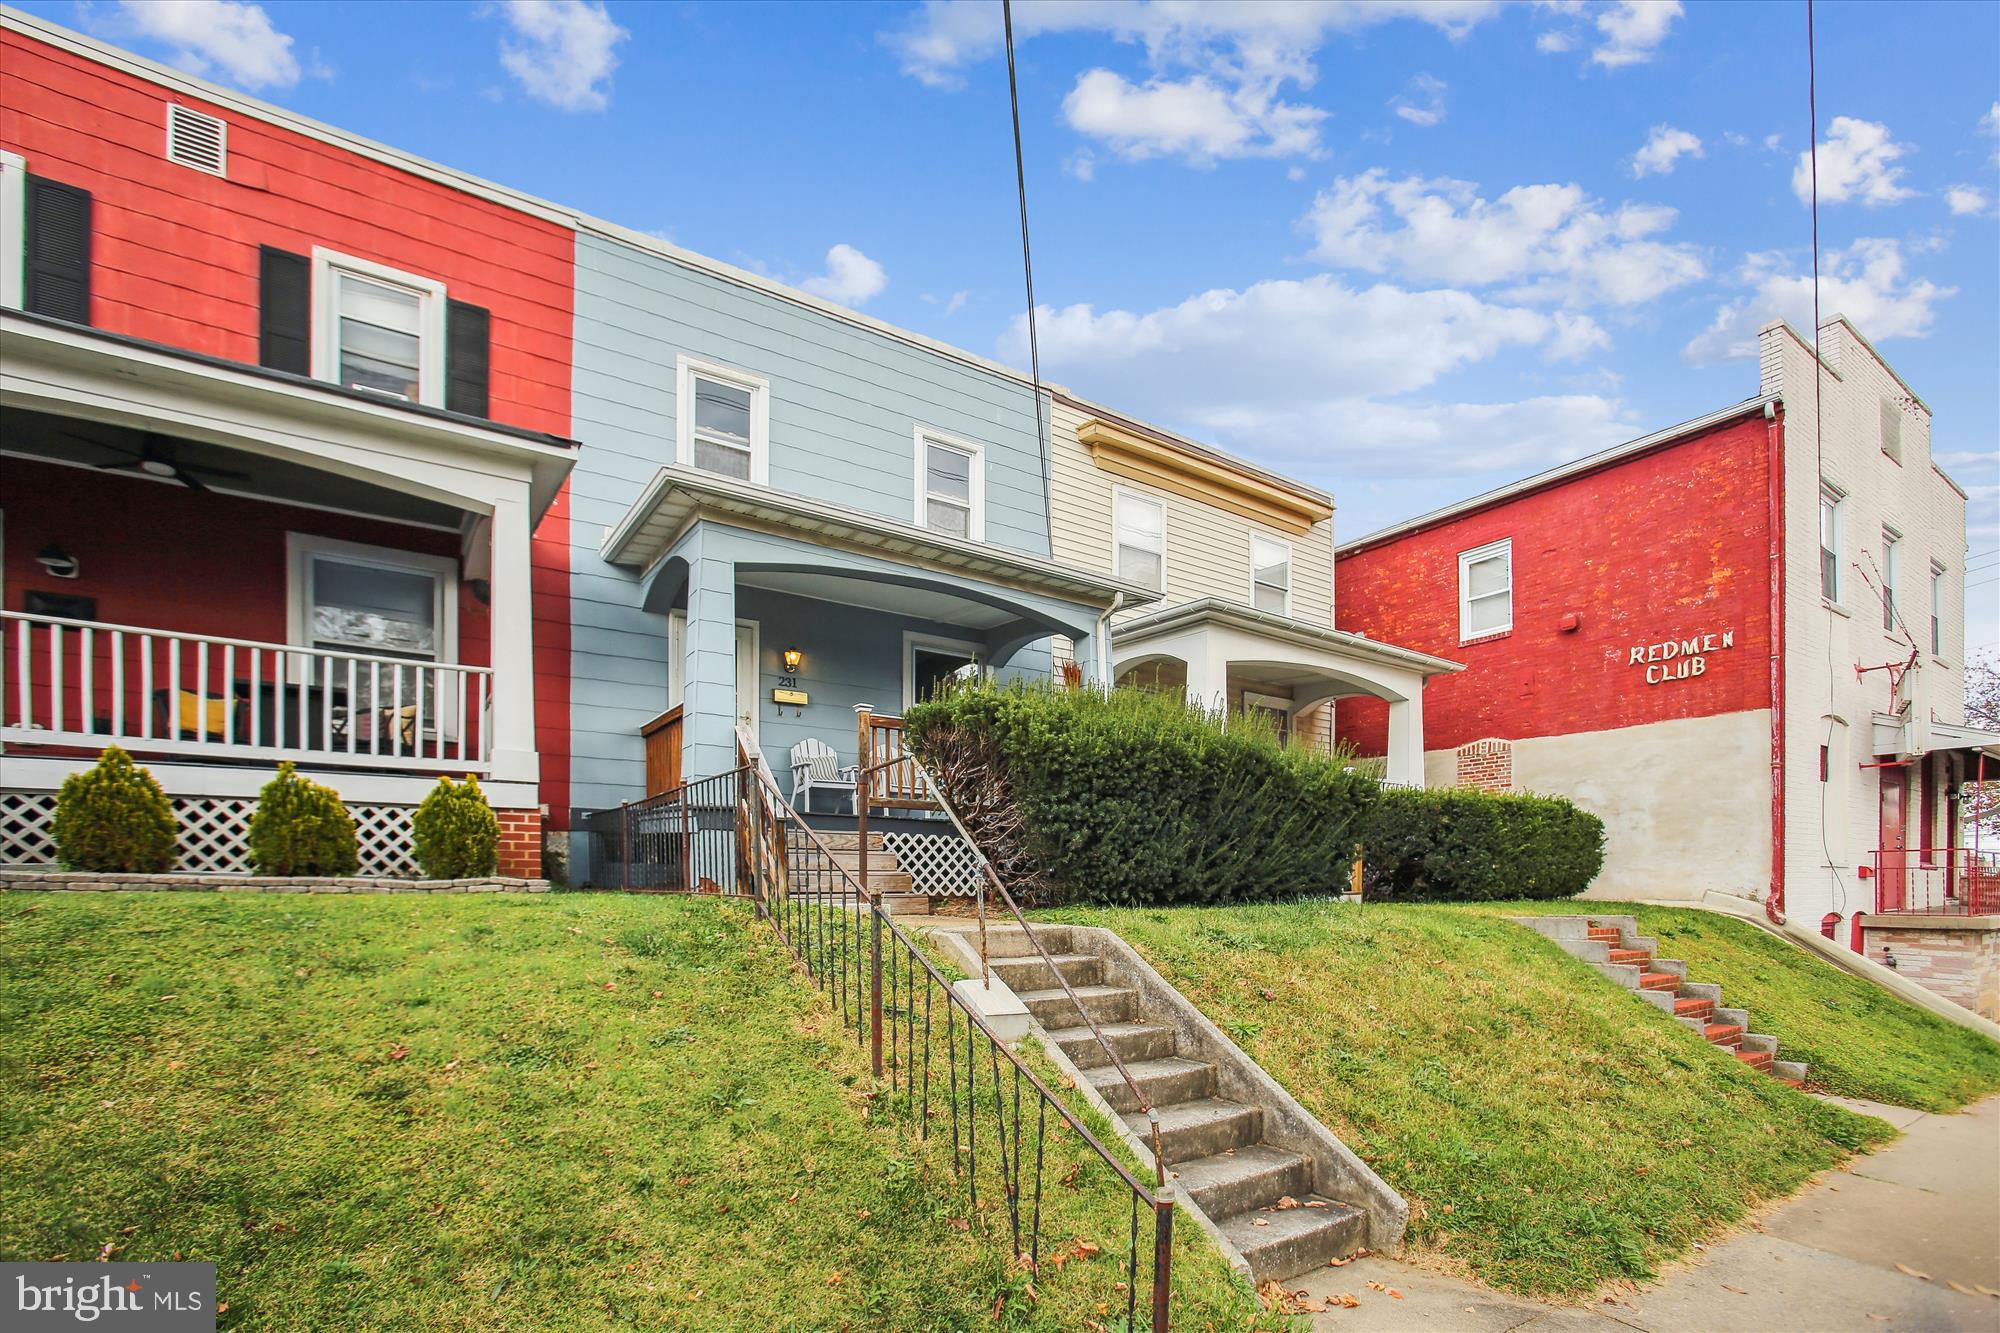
(1242, 562)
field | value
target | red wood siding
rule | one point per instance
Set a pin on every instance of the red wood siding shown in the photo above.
(175, 261)
(1664, 546)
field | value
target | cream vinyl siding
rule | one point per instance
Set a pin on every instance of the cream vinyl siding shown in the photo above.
(1208, 549)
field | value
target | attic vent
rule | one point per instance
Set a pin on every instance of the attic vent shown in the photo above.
(197, 140)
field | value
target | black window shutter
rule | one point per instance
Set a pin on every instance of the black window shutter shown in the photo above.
(467, 333)
(56, 265)
(284, 311)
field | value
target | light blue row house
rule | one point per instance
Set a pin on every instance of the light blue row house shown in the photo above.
(783, 510)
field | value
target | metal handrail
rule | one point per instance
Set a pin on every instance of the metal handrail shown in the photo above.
(993, 876)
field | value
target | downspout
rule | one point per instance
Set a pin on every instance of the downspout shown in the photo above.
(1103, 637)
(1774, 899)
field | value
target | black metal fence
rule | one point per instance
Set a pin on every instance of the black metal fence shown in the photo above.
(681, 841)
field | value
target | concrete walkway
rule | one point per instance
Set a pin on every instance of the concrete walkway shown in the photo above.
(1824, 1261)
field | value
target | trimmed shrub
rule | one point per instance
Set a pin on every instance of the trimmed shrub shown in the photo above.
(113, 816)
(1467, 846)
(1134, 798)
(455, 834)
(301, 828)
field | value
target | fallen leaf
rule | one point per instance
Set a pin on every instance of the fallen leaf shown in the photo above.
(1259, 1222)
(1288, 1202)
(863, 1214)
(1911, 1272)
(1315, 1203)
(1395, 1295)
(1376, 1286)
(1738, 1290)
(1348, 1299)
(793, 1197)
(222, 1308)
(659, 994)
(399, 1052)
(834, 1279)
(1088, 1249)
(1340, 1263)
(312, 1050)
(1960, 1288)
(177, 1064)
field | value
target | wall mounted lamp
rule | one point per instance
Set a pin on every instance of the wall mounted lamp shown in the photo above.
(793, 659)
(59, 563)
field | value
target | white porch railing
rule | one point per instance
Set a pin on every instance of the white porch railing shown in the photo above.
(73, 683)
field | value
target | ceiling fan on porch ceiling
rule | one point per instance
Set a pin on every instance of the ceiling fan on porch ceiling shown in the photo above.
(159, 456)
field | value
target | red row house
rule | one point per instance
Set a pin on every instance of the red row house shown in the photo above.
(1741, 642)
(286, 421)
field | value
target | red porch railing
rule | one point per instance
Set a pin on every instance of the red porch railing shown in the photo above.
(1948, 881)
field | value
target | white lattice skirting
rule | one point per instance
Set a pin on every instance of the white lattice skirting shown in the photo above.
(213, 834)
(936, 863)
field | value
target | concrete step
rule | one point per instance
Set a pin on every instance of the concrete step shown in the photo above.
(1165, 1082)
(1104, 1004)
(1791, 1071)
(1244, 1178)
(1281, 1243)
(1200, 1128)
(1132, 1041)
(1032, 972)
(1013, 942)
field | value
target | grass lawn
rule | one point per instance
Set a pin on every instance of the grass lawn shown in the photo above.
(570, 1111)
(1860, 1040)
(1551, 1132)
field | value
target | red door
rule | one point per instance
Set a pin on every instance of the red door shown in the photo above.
(1893, 887)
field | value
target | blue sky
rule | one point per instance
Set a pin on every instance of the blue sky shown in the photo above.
(1404, 251)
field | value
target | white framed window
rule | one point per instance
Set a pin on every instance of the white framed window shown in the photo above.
(1274, 707)
(1271, 575)
(377, 328)
(1486, 589)
(724, 419)
(929, 662)
(1892, 568)
(1937, 609)
(351, 597)
(951, 485)
(13, 228)
(1139, 524)
(1830, 503)
(1892, 430)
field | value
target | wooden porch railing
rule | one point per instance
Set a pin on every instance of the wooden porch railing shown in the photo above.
(892, 778)
(662, 737)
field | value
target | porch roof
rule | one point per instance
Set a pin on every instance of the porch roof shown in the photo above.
(64, 369)
(677, 495)
(1131, 634)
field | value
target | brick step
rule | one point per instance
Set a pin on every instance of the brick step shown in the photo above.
(1692, 1008)
(1284, 1242)
(1793, 1082)
(1165, 1082)
(1243, 1178)
(1132, 1041)
(1610, 934)
(1200, 1128)
(1639, 957)
(1724, 1034)
(1758, 1060)
(1659, 981)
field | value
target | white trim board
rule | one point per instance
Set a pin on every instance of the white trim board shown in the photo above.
(923, 437)
(915, 639)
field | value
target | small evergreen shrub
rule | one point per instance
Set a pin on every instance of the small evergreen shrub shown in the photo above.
(301, 828)
(113, 816)
(1133, 798)
(1449, 845)
(455, 834)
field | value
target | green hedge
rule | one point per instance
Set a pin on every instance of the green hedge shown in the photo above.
(1463, 846)
(114, 817)
(454, 833)
(301, 828)
(1133, 798)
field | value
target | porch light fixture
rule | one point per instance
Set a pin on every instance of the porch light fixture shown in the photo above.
(59, 563)
(793, 658)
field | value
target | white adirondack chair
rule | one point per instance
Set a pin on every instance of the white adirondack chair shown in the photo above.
(816, 766)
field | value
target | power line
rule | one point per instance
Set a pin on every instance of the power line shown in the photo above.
(1028, 271)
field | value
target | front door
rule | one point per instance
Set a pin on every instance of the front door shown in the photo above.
(747, 675)
(1894, 886)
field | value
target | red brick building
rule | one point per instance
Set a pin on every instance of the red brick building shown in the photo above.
(1739, 640)
(286, 420)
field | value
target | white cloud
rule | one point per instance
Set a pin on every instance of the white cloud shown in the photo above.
(957, 302)
(1965, 200)
(851, 278)
(1194, 118)
(1868, 282)
(229, 39)
(1576, 336)
(1857, 160)
(1773, 142)
(1555, 42)
(1663, 147)
(1217, 73)
(566, 52)
(1633, 30)
(1989, 124)
(1422, 103)
(1081, 164)
(1336, 441)
(1552, 241)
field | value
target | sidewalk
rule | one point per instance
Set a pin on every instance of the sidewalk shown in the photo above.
(1824, 1261)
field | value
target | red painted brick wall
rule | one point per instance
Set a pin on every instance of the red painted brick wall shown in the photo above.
(1665, 545)
(520, 843)
(174, 260)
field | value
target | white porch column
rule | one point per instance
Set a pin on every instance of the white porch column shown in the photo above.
(1406, 739)
(513, 640)
(1208, 674)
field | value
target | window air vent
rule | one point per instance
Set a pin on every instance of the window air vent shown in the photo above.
(198, 140)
